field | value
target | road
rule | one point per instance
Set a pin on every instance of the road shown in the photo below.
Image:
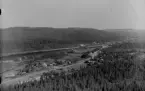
(37, 51)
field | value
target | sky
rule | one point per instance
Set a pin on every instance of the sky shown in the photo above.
(99, 14)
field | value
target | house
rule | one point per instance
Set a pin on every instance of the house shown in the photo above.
(68, 62)
(11, 74)
(44, 64)
(52, 64)
(37, 78)
(94, 43)
(92, 55)
(82, 45)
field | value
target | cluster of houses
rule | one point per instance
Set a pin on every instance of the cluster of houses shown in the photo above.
(43, 64)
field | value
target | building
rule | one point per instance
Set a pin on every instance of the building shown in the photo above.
(44, 64)
(52, 64)
(10, 74)
(94, 43)
(82, 45)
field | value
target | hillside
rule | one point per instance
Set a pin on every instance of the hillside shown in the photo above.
(37, 38)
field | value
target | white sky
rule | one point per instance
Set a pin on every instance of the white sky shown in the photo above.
(74, 13)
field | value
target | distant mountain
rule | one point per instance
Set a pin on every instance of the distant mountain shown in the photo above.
(36, 38)
(124, 32)
(68, 34)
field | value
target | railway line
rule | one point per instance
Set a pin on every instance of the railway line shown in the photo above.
(40, 51)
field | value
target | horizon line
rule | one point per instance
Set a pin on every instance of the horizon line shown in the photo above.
(73, 27)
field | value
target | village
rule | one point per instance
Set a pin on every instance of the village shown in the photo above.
(34, 64)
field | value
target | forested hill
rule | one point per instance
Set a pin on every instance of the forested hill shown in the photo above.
(28, 38)
(68, 34)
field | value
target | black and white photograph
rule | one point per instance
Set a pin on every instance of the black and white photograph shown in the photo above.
(72, 45)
